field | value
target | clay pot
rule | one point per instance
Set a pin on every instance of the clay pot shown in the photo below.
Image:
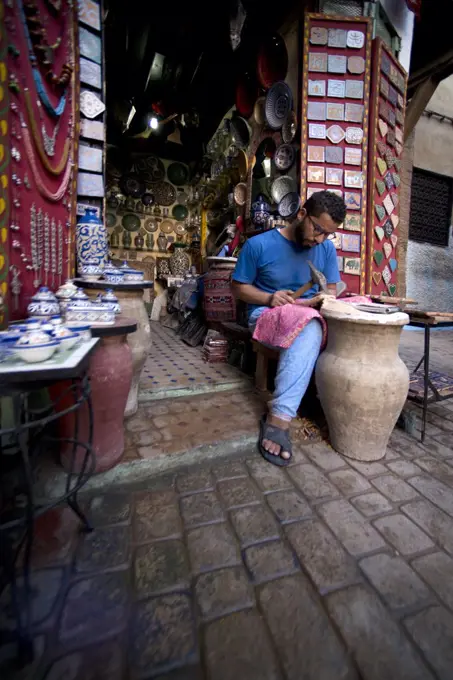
(362, 382)
(179, 261)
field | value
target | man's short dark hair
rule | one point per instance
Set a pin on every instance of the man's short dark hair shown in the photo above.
(326, 202)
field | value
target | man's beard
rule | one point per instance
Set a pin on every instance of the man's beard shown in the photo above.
(299, 235)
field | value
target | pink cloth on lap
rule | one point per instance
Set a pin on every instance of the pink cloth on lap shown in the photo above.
(281, 325)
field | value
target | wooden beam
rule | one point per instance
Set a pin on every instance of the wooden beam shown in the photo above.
(418, 104)
(437, 66)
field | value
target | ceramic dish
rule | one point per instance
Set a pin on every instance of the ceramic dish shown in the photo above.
(167, 226)
(110, 219)
(179, 212)
(164, 193)
(132, 186)
(279, 103)
(240, 193)
(180, 229)
(147, 198)
(178, 174)
(272, 63)
(240, 131)
(67, 342)
(258, 111)
(34, 354)
(284, 157)
(150, 168)
(84, 330)
(289, 205)
(131, 222)
(246, 91)
(151, 225)
(242, 164)
(289, 128)
(281, 186)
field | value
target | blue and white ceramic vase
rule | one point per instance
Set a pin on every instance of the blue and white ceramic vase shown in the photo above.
(261, 211)
(91, 240)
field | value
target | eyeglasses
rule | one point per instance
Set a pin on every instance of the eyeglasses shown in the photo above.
(320, 231)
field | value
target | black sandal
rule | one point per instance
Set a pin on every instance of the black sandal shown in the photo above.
(278, 436)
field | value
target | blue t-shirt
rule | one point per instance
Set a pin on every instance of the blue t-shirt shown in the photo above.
(271, 262)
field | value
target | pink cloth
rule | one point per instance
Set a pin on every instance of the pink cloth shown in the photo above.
(281, 325)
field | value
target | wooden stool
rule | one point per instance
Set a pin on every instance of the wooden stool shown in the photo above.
(263, 354)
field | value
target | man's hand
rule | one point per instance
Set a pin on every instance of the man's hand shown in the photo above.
(280, 298)
(314, 301)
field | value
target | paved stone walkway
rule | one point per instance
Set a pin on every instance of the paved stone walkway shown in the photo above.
(327, 570)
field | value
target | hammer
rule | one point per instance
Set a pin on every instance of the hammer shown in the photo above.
(316, 278)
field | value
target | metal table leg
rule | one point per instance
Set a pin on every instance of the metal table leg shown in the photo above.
(425, 380)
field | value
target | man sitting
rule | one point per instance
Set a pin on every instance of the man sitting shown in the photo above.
(271, 266)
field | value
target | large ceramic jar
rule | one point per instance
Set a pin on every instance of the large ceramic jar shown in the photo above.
(261, 211)
(179, 261)
(362, 382)
(218, 300)
(91, 240)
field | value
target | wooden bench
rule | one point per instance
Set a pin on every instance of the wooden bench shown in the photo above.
(263, 355)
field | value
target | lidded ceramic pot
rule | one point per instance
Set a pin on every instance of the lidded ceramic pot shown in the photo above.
(43, 303)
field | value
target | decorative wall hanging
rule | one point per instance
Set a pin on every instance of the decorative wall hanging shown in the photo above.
(90, 104)
(335, 50)
(383, 181)
(43, 133)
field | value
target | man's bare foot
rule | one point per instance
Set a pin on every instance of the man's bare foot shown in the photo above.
(269, 445)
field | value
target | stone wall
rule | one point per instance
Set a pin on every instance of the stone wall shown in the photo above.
(430, 268)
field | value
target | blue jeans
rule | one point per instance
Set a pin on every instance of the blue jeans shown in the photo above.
(295, 367)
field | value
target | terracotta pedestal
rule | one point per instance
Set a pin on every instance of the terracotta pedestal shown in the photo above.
(130, 297)
(362, 382)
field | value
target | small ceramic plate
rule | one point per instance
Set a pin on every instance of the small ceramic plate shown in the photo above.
(279, 103)
(167, 226)
(178, 174)
(242, 164)
(284, 157)
(179, 212)
(282, 186)
(151, 225)
(164, 193)
(289, 205)
(180, 229)
(240, 193)
(240, 131)
(110, 219)
(289, 128)
(258, 111)
(131, 222)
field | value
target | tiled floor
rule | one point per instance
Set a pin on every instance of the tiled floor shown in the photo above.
(441, 354)
(173, 365)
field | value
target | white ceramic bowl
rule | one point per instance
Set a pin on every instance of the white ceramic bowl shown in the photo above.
(83, 329)
(68, 341)
(34, 354)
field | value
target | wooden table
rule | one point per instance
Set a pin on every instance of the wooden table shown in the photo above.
(428, 320)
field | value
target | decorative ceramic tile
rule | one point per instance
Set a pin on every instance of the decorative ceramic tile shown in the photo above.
(396, 179)
(92, 129)
(90, 158)
(353, 200)
(311, 191)
(397, 163)
(90, 104)
(90, 184)
(334, 154)
(352, 222)
(354, 135)
(336, 63)
(382, 166)
(392, 118)
(391, 138)
(393, 264)
(383, 127)
(388, 228)
(379, 233)
(354, 113)
(352, 265)
(384, 87)
(390, 158)
(395, 198)
(354, 89)
(317, 61)
(334, 176)
(335, 134)
(356, 65)
(90, 73)
(380, 211)
(388, 179)
(337, 37)
(401, 83)
(386, 275)
(316, 131)
(399, 135)
(385, 64)
(393, 97)
(336, 240)
(315, 154)
(90, 45)
(398, 148)
(391, 289)
(350, 243)
(355, 39)
(378, 257)
(393, 75)
(318, 35)
(337, 192)
(387, 249)
(400, 101)
(316, 111)
(336, 88)
(335, 111)
(394, 239)
(381, 147)
(90, 14)
(315, 173)
(340, 263)
(81, 207)
(353, 179)
(399, 117)
(380, 186)
(395, 220)
(352, 156)
(377, 277)
(388, 204)
(383, 109)
(317, 88)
